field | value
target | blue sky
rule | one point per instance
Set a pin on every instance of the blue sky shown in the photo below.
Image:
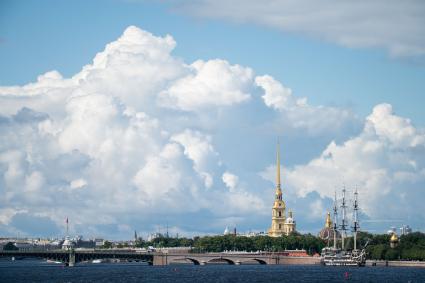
(363, 86)
(38, 37)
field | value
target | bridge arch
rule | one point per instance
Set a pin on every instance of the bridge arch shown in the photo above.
(247, 261)
(221, 259)
(184, 260)
(260, 261)
(194, 261)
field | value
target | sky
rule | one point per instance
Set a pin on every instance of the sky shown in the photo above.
(141, 115)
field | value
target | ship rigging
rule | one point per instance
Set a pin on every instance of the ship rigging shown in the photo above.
(335, 256)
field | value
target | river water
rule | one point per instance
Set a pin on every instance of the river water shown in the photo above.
(39, 271)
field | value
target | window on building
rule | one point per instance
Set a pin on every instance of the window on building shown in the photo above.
(280, 213)
(280, 226)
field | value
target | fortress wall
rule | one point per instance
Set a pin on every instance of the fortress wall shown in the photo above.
(299, 260)
(406, 263)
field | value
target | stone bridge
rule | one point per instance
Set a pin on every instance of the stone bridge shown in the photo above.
(231, 258)
(70, 258)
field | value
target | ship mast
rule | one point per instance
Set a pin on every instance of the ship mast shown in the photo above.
(343, 222)
(67, 229)
(356, 223)
(335, 221)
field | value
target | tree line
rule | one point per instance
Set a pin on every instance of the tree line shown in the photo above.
(410, 247)
(294, 241)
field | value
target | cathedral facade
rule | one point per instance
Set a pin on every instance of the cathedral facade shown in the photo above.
(281, 225)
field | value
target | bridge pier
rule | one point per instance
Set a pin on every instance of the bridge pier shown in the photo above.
(71, 261)
(160, 259)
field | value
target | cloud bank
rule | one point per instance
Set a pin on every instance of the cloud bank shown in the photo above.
(140, 138)
(397, 26)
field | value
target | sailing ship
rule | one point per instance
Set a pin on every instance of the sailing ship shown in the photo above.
(339, 256)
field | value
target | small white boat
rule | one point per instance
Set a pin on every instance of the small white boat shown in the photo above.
(97, 261)
(53, 261)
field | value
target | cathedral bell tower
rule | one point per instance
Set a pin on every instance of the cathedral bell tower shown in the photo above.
(279, 224)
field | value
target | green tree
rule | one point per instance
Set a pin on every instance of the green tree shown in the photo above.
(377, 251)
(10, 247)
(392, 254)
(107, 245)
(139, 243)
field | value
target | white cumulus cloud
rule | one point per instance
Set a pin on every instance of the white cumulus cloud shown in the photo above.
(139, 136)
(211, 83)
(298, 112)
(230, 180)
(385, 162)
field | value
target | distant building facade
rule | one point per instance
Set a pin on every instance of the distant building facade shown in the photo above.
(405, 230)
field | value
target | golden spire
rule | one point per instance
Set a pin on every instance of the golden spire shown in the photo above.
(278, 165)
(328, 223)
(278, 189)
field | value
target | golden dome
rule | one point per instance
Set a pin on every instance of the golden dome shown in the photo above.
(394, 238)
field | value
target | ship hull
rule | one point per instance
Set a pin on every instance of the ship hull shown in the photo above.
(342, 263)
(331, 257)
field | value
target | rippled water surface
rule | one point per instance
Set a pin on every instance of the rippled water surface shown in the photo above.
(39, 271)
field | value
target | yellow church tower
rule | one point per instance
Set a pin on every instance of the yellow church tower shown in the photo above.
(328, 223)
(280, 224)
